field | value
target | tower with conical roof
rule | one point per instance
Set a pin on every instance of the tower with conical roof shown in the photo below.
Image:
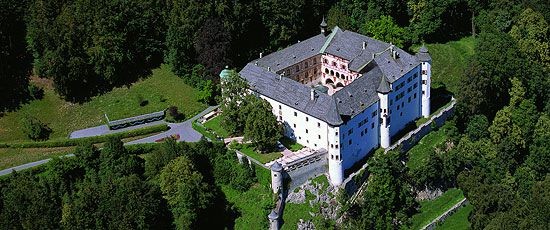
(383, 90)
(276, 177)
(324, 27)
(426, 73)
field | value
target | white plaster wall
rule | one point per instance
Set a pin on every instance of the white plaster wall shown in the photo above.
(360, 144)
(408, 111)
(297, 126)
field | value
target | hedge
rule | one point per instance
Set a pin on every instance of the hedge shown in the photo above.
(93, 140)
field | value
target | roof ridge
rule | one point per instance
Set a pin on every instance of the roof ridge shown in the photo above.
(329, 39)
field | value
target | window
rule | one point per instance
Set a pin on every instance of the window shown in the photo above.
(336, 146)
(391, 102)
(423, 92)
(306, 64)
(415, 75)
(409, 89)
(318, 124)
(279, 106)
(424, 82)
(372, 125)
(280, 118)
(294, 125)
(325, 61)
(401, 114)
(362, 132)
(423, 71)
(409, 99)
(398, 107)
(326, 70)
(343, 67)
(307, 119)
(415, 95)
(295, 114)
(415, 85)
(349, 142)
(307, 131)
(333, 63)
(297, 68)
(331, 146)
(314, 71)
(373, 114)
(409, 79)
(314, 61)
(319, 136)
(336, 134)
(402, 104)
(350, 132)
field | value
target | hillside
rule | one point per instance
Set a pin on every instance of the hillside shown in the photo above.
(160, 90)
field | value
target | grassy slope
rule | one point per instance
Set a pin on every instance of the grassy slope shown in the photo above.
(255, 204)
(430, 210)
(10, 157)
(449, 61)
(458, 220)
(261, 157)
(420, 152)
(64, 117)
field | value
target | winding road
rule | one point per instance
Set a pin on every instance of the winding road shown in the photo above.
(184, 129)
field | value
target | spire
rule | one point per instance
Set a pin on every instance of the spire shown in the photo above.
(324, 27)
(384, 86)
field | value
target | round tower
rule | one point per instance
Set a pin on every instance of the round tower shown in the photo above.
(335, 169)
(426, 75)
(273, 220)
(276, 177)
(383, 91)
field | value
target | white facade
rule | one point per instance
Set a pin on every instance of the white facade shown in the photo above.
(426, 83)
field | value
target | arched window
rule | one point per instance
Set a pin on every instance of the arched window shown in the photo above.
(337, 75)
(326, 70)
(331, 73)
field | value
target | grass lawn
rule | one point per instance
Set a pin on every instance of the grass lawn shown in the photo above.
(449, 61)
(458, 220)
(200, 128)
(421, 151)
(261, 157)
(161, 90)
(290, 144)
(10, 157)
(215, 125)
(255, 204)
(430, 210)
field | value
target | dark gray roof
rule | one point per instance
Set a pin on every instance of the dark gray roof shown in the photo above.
(423, 55)
(359, 94)
(394, 68)
(292, 54)
(276, 167)
(348, 101)
(291, 93)
(384, 86)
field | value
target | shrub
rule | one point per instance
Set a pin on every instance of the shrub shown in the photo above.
(36, 92)
(35, 129)
(173, 114)
(141, 101)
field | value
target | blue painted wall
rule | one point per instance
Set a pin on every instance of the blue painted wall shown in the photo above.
(404, 106)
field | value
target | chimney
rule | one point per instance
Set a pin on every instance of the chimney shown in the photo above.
(261, 54)
(312, 94)
(373, 55)
(280, 77)
(364, 45)
(268, 68)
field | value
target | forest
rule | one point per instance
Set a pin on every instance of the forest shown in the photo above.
(496, 147)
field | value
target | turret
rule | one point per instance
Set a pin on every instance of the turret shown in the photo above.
(273, 220)
(426, 74)
(276, 177)
(324, 27)
(383, 91)
(335, 169)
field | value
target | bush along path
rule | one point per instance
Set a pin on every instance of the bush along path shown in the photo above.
(187, 133)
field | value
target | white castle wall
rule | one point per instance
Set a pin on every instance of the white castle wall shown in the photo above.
(408, 107)
(359, 135)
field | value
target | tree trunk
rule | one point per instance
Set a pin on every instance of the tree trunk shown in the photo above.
(473, 24)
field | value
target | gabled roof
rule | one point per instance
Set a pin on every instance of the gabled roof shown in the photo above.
(291, 93)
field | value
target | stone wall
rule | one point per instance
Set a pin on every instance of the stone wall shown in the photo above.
(445, 215)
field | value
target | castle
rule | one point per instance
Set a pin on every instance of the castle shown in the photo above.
(343, 92)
